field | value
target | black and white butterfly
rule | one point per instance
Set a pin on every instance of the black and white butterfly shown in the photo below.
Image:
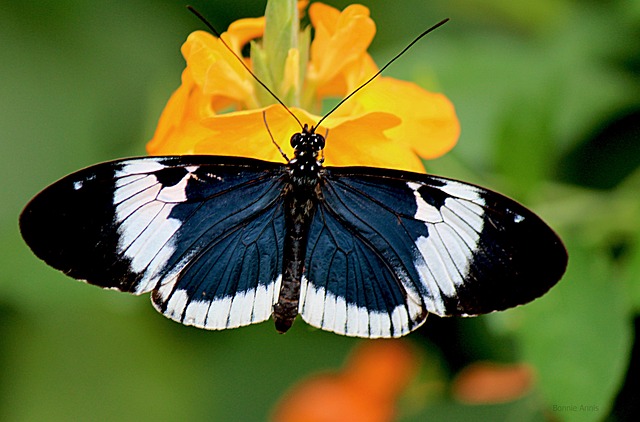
(223, 242)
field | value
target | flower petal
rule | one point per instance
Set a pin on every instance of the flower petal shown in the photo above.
(244, 30)
(429, 124)
(179, 127)
(353, 75)
(366, 390)
(215, 68)
(363, 141)
(487, 382)
(340, 39)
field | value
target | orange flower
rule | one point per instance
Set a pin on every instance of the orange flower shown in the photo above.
(219, 107)
(486, 382)
(366, 390)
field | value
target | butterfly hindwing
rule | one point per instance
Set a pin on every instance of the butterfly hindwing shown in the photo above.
(403, 244)
(349, 288)
(202, 233)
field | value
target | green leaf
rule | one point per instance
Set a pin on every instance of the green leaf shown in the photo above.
(261, 70)
(304, 44)
(524, 147)
(280, 35)
(578, 337)
(632, 273)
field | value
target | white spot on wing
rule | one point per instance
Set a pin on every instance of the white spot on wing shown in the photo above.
(399, 317)
(219, 313)
(175, 193)
(460, 190)
(176, 305)
(125, 180)
(131, 229)
(373, 321)
(329, 314)
(400, 314)
(460, 255)
(357, 321)
(447, 251)
(435, 303)
(155, 237)
(137, 189)
(145, 228)
(263, 302)
(340, 321)
(471, 214)
(128, 203)
(303, 292)
(424, 211)
(178, 192)
(241, 300)
(314, 306)
(276, 288)
(196, 313)
(140, 166)
(462, 228)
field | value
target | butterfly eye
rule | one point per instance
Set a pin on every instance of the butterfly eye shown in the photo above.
(318, 141)
(296, 140)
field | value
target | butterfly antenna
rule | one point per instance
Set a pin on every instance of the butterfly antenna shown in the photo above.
(434, 27)
(264, 117)
(217, 34)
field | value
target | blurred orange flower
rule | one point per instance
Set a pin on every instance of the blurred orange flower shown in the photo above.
(366, 390)
(219, 107)
(486, 383)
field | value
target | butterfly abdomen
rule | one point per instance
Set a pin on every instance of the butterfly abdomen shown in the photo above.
(298, 215)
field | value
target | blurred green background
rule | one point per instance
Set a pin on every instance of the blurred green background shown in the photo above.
(548, 95)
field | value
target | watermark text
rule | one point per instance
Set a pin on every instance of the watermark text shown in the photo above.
(575, 408)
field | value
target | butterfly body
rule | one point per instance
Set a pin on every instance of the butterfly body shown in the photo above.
(301, 195)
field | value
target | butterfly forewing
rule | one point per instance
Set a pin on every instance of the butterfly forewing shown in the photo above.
(202, 233)
(386, 247)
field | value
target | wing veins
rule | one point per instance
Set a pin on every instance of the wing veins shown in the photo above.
(233, 231)
(365, 241)
(125, 250)
(234, 238)
(353, 189)
(187, 218)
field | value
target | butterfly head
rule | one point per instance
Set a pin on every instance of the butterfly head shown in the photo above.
(307, 142)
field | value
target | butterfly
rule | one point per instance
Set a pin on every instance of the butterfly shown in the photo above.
(223, 242)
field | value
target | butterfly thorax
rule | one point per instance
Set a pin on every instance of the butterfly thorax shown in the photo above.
(301, 196)
(305, 166)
